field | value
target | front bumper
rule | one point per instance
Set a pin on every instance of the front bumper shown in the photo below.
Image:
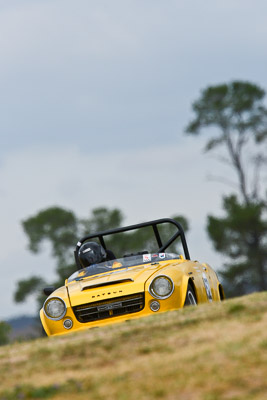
(109, 311)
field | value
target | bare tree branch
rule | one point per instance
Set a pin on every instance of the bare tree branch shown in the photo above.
(223, 180)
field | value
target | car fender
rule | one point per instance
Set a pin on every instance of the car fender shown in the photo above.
(52, 325)
(180, 280)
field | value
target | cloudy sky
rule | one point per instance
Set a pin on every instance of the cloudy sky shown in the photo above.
(94, 99)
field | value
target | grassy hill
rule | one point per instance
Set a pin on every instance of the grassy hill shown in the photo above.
(210, 352)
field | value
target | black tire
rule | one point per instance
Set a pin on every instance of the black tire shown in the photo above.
(190, 299)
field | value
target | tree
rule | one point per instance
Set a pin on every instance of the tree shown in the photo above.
(238, 116)
(4, 333)
(62, 229)
(241, 234)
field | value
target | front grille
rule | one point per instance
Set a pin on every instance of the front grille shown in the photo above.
(109, 308)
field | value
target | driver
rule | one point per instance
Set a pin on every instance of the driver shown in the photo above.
(91, 253)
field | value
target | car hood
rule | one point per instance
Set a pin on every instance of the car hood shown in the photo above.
(113, 284)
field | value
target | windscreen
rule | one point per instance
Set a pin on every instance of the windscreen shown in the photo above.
(122, 263)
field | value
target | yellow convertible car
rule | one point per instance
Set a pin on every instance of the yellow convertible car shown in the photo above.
(106, 289)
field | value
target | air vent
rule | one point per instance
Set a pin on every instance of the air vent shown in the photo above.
(109, 308)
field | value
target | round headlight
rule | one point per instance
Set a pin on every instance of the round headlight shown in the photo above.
(161, 287)
(55, 308)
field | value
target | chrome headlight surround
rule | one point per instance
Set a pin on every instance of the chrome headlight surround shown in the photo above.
(59, 301)
(162, 279)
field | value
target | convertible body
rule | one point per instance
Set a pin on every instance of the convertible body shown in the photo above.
(129, 287)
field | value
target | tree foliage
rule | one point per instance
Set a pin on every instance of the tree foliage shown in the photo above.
(241, 235)
(4, 333)
(25, 287)
(62, 229)
(238, 117)
(57, 226)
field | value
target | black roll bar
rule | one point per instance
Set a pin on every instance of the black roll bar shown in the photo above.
(154, 224)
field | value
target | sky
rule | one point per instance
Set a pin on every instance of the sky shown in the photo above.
(94, 101)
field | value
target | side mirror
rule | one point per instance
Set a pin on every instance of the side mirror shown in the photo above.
(48, 290)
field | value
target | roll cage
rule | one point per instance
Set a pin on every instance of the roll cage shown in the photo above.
(154, 224)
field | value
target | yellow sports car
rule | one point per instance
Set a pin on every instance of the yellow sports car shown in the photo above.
(106, 289)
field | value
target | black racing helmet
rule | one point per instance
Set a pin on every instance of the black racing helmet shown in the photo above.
(91, 253)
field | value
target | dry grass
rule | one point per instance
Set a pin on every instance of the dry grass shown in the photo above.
(211, 352)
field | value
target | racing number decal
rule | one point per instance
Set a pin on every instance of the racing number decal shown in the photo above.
(207, 286)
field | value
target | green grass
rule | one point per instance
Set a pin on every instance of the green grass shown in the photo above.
(210, 352)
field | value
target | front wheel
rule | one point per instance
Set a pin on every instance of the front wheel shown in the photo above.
(190, 299)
